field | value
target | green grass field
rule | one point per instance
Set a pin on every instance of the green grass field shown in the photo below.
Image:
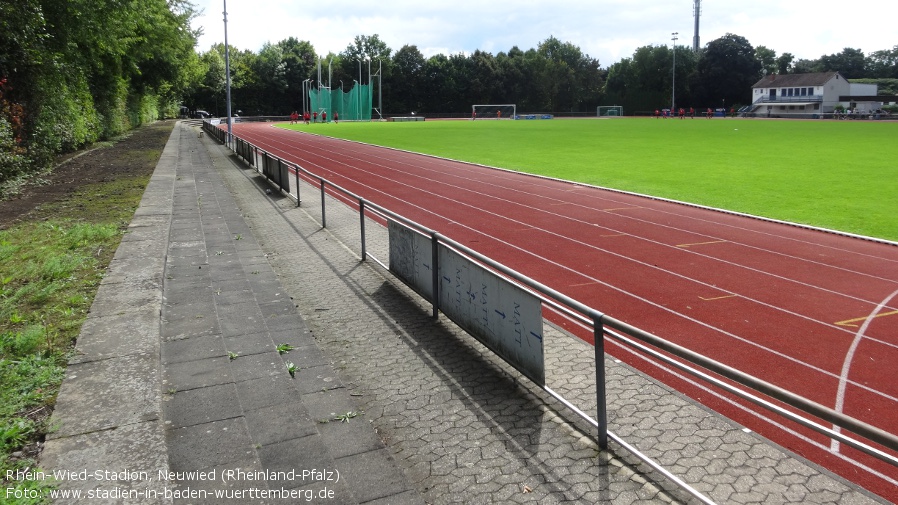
(841, 175)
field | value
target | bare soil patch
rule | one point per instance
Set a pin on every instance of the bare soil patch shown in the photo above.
(133, 155)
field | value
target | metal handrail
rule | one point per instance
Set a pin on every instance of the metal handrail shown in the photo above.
(598, 321)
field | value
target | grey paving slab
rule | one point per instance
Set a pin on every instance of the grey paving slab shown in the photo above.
(198, 373)
(250, 343)
(295, 455)
(220, 443)
(110, 336)
(193, 349)
(281, 422)
(101, 395)
(135, 451)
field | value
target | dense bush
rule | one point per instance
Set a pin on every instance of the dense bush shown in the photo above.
(76, 71)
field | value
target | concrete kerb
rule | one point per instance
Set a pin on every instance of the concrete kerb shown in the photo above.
(108, 415)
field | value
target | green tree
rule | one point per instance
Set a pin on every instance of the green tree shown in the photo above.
(645, 81)
(850, 63)
(883, 64)
(784, 63)
(81, 70)
(725, 73)
(299, 60)
(408, 88)
(805, 66)
(514, 77)
(767, 58)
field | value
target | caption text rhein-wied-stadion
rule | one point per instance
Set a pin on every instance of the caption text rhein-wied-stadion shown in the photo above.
(219, 484)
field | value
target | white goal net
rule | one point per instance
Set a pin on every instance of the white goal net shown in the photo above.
(609, 111)
(500, 111)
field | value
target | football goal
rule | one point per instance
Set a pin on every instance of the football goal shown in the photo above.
(501, 111)
(609, 111)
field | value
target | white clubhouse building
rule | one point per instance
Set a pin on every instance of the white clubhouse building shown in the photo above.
(811, 95)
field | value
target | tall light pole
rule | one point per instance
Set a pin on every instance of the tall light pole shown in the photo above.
(305, 96)
(673, 90)
(380, 87)
(368, 59)
(698, 13)
(227, 69)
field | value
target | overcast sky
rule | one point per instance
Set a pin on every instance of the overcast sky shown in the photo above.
(605, 29)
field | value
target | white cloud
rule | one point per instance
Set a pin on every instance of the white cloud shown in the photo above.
(605, 29)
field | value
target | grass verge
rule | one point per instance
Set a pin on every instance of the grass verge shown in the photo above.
(52, 264)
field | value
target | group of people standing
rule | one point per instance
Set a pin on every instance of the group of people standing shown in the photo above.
(665, 113)
(312, 118)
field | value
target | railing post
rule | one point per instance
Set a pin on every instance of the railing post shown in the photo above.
(296, 171)
(323, 210)
(362, 227)
(601, 401)
(435, 273)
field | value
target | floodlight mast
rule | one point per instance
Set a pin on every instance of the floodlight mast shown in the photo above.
(227, 68)
(698, 13)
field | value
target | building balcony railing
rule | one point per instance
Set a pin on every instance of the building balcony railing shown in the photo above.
(788, 99)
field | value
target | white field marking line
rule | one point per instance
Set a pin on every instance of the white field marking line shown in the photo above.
(597, 281)
(849, 358)
(471, 167)
(776, 308)
(527, 176)
(760, 414)
(506, 188)
(702, 234)
(712, 258)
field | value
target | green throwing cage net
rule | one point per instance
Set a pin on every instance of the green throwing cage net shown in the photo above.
(352, 105)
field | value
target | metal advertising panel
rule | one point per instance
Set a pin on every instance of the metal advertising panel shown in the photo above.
(411, 258)
(502, 315)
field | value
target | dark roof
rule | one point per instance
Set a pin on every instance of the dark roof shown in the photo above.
(796, 80)
(868, 98)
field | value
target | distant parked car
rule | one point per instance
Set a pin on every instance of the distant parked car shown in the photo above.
(201, 114)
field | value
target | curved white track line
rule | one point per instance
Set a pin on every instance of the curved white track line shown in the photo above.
(849, 358)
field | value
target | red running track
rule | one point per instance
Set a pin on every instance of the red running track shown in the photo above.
(810, 311)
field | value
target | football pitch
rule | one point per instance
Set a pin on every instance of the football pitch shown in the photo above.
(840, 175)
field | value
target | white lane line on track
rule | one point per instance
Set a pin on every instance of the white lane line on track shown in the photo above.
(632, 295)
(758, 415)
(477, 169)
(576, 220)
(849, 358)
(647, 265)
(761, 414)
(471, 169)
